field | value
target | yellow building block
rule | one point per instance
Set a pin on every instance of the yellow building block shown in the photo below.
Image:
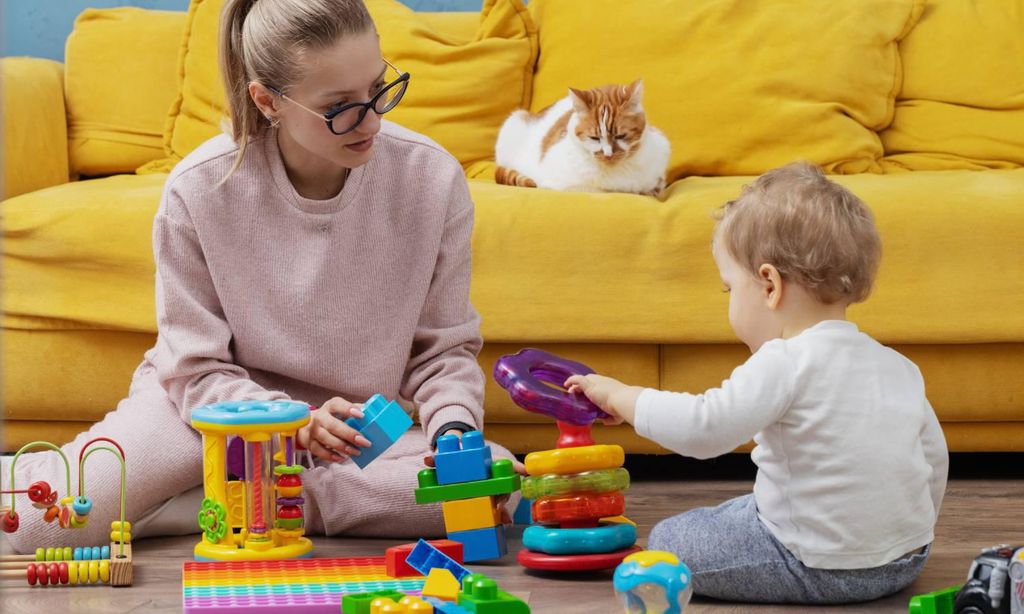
(442, 584)
(469, 514)
(564, 461)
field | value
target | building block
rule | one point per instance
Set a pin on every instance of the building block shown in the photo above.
(441, 584)
(523, 514)
(425, 557)
(446, 607)
(469, 514)
(383, 422)
(406, 605)
(395, 556)
(465, 460)
(481, 595)
(503, 480)
(481, 544)
(310, 586)
(359, 603)
(939, 602)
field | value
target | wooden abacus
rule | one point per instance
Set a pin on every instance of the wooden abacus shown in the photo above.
(66, 565)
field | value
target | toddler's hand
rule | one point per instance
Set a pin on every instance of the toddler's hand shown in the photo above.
(327, 436)
(613, 397)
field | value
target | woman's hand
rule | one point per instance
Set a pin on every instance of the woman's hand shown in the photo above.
(613, 397)
(327, 436)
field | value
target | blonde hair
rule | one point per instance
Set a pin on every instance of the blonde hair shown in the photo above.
(814, 231)
(265, 40)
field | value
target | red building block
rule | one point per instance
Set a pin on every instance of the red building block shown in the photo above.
(394, 557)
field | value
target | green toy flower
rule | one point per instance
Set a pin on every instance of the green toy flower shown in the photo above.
(213, 520)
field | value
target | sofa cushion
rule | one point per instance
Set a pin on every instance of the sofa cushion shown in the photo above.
(739, 87)
(961, 109)
(119, 83)
(555, 267)
(460, 93)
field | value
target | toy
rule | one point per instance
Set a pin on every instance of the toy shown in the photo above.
(995, 585)
(653, 581)
(523, 376)
(466, 480)
(481, 595)
(425, 557)
(311, 586)
(383, 422)
(578, 485)
(441, 584)
(259, 516)
(60, 566)
(395, 556)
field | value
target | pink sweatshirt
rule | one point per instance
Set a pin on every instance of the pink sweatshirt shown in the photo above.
(265, 294)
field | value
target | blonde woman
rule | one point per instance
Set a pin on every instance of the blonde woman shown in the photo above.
(317, 253)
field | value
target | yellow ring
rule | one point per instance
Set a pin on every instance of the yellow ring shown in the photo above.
(564, 461)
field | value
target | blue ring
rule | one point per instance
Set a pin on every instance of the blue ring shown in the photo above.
(250, 412)
(608, 537)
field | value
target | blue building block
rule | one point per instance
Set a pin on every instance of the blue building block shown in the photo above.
(446, 607)
(524, 512)
(383, 422)
(425, 557)
(481, 544)
(469, 463)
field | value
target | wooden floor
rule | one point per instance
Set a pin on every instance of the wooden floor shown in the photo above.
(978, 511)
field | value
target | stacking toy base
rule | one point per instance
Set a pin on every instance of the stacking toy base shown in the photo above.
(573, 562)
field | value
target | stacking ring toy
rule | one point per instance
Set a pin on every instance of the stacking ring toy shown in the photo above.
(573, 562)
(607, 480)
(608, 537)
(523, 376)
(578, 507)
(564, 461)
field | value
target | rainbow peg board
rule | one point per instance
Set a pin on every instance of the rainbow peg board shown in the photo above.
(311, 586)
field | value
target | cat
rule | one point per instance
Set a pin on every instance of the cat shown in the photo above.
(595, 140)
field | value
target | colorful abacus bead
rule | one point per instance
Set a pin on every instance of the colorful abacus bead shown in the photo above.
(115, 531)
(10, 520)
(51, 513)
(82, 506)
(39, 492)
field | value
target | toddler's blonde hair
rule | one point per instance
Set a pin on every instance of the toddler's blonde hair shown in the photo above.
(817, 233)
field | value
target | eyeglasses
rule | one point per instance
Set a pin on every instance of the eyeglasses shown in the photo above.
(345, 118)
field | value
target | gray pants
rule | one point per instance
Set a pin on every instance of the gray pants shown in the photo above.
(734, 557)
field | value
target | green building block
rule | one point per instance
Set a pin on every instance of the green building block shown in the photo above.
(481, 595)
(359, 603)
(503, 480)
(939, 602)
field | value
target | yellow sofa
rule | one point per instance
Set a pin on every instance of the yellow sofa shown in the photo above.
(623, 283)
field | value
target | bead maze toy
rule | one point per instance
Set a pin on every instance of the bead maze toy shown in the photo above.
(466, 480)
(653, 581)
(577, 487)
(258, 516)
(57, 566)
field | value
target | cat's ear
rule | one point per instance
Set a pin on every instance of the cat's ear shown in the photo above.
(635, 92)
(581, 99)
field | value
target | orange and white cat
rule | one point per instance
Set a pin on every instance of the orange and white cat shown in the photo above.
(594, 140)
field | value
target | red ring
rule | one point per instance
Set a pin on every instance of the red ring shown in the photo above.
(573, 562)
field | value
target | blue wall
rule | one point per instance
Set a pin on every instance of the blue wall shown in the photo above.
(40, 27)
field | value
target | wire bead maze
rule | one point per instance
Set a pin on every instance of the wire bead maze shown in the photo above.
(65, 565)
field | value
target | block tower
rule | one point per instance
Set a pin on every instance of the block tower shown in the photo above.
(577, 487)
(466, 480)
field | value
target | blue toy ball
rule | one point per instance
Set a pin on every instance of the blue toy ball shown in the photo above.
(652, 581)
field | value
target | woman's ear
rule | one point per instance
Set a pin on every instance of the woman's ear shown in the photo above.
(265, 100)
(771, 285)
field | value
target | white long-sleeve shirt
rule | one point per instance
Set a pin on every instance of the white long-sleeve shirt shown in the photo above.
(851, 460)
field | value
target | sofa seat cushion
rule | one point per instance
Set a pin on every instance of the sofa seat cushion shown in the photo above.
(558, 267)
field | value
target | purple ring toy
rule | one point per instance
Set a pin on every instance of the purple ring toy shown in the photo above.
(523, 375)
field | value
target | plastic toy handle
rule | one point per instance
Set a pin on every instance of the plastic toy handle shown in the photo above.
(526, 375)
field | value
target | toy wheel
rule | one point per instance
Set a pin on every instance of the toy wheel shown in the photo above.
(213, 520)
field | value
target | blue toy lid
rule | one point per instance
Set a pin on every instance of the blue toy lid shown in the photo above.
(251, 412)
